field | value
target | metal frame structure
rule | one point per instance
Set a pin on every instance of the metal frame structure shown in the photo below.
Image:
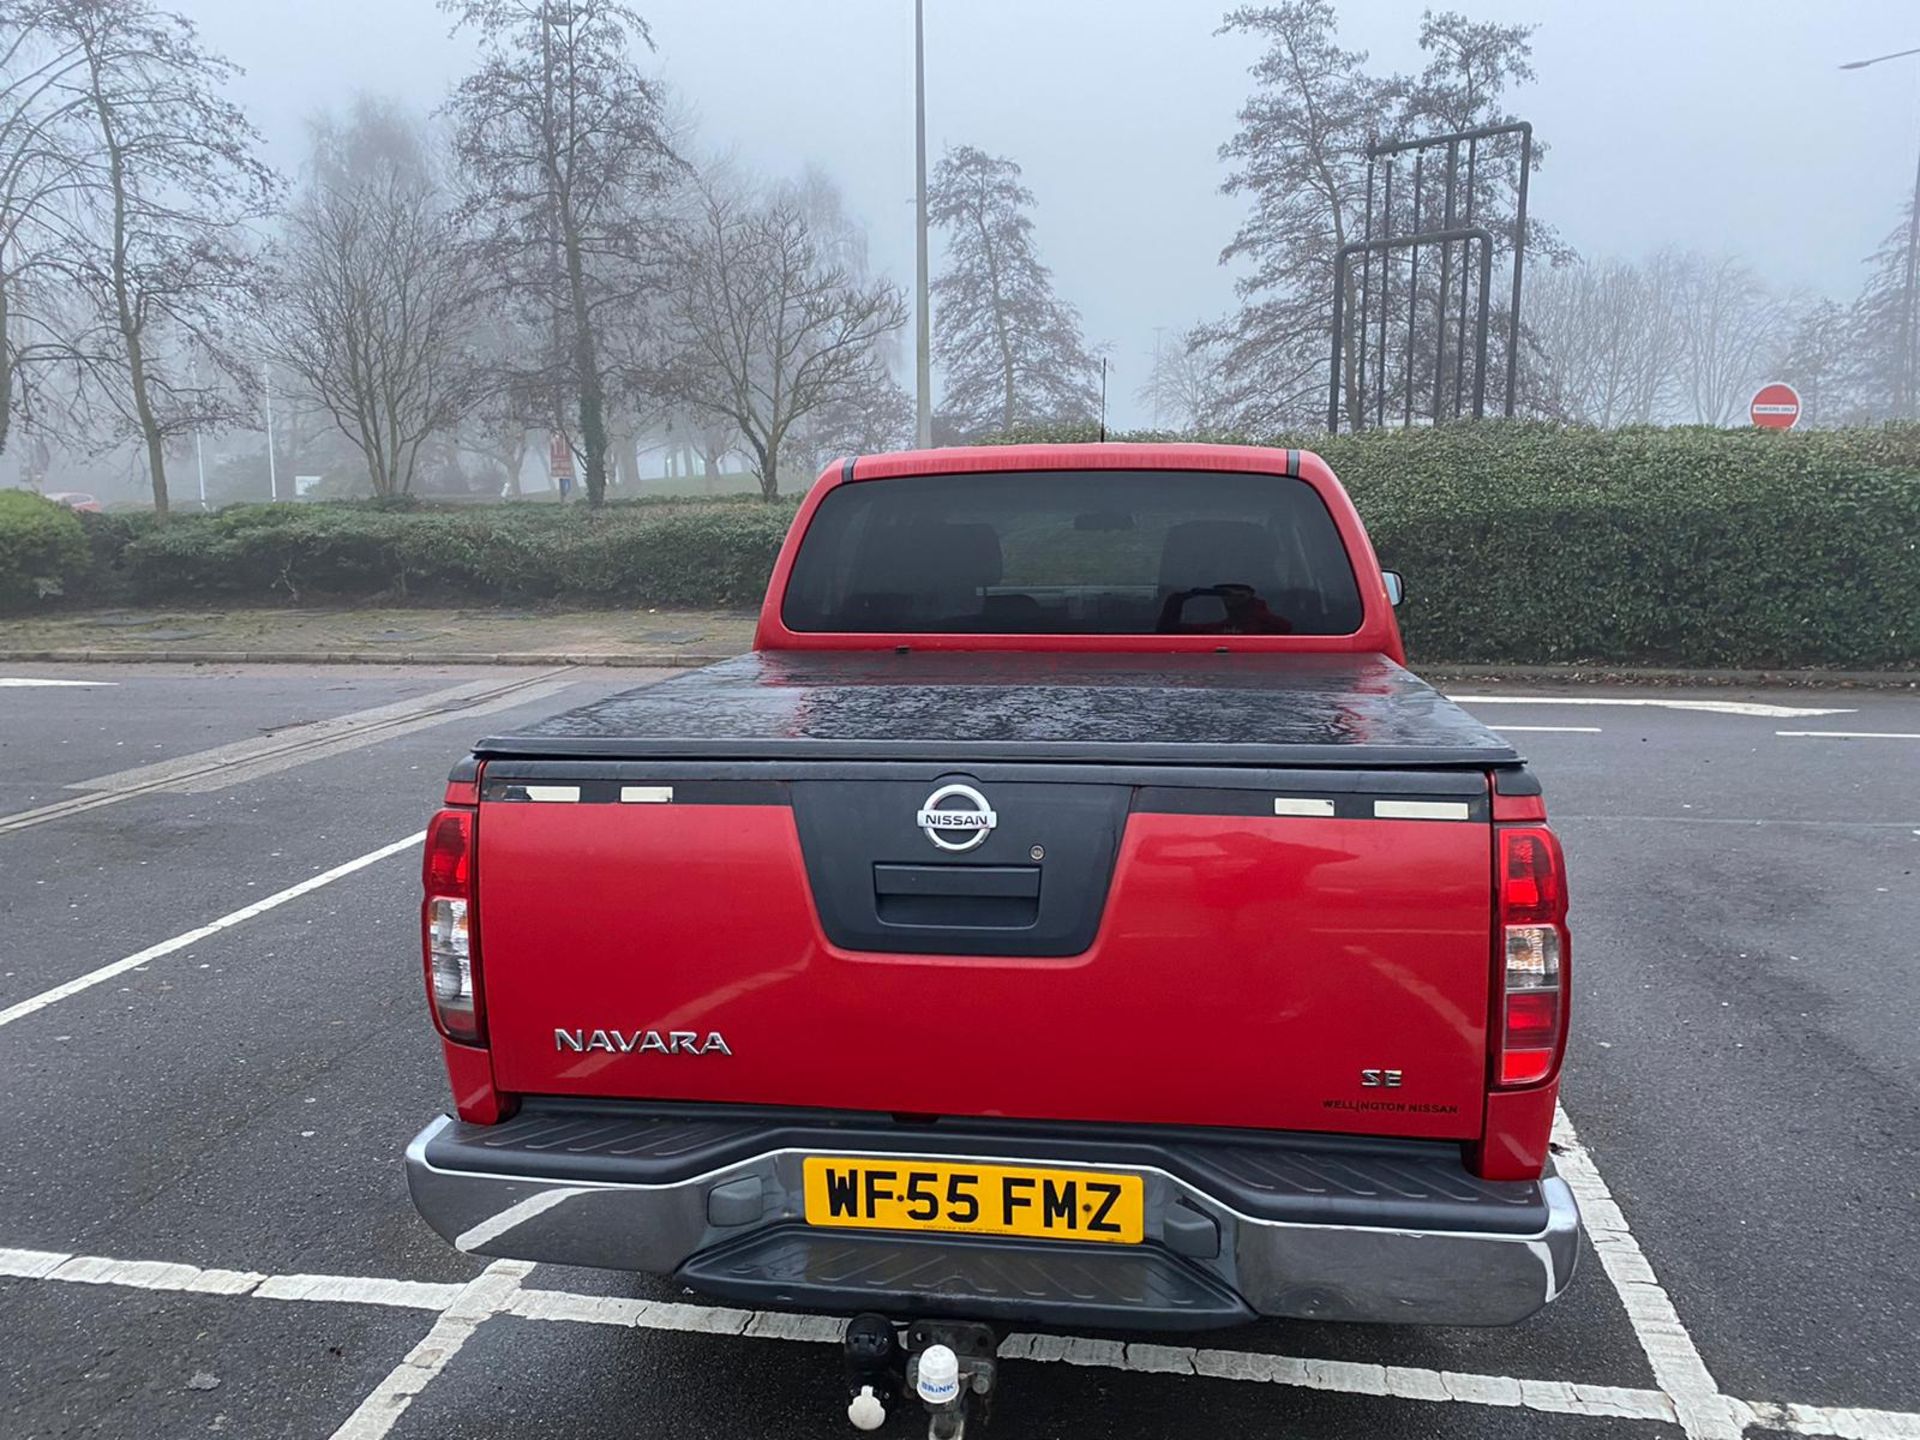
(1454, 225)
(1464, 237)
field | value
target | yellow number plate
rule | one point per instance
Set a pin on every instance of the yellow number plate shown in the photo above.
(873, 1194)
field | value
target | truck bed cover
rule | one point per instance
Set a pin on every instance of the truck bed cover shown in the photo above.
(956, 707)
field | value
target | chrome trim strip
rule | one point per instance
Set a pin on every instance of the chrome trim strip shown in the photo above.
(1421, 810)
(1301, 805)
(552, 794)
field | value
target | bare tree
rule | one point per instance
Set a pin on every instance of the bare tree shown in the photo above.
(873, 415)
(1818, 364)
(1886, 327)
(1010, 350)
(565, 146)
(1299, 157)
(375, 305)
(1607, 339)
(1183, 388)
(766, 331)
(154, 255)
(511, 400)
(712, 438)
(1570, 316)
(692, 433)
(39, 163)
(1660, 342)
(1675, 337)
(1732, 332)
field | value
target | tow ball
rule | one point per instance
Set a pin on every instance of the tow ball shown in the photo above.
(948, 1365)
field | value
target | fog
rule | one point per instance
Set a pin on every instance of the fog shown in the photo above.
(1712, 126)
(689, 262)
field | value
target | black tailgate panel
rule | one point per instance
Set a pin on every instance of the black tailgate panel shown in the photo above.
(880, 885)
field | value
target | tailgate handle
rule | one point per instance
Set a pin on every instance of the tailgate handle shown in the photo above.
(981, 882)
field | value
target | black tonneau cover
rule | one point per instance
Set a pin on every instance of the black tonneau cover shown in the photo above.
(955, 707)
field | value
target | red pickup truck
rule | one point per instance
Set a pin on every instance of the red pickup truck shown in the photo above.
(1070, 913)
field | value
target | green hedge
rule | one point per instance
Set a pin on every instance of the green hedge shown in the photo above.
(1690, 547)
(43, 550)
(1520, 543)
(697, 555)
(1539, 544)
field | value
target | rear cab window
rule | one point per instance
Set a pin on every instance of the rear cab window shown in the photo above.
(1063, 552)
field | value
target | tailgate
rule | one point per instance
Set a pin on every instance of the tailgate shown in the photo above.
(1302, 950)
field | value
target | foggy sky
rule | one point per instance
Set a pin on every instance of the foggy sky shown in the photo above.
(1716, 126)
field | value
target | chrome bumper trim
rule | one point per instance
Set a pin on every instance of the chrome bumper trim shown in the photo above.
(1281, 1268)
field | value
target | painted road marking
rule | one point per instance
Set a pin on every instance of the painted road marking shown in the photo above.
(1548, 729)
(1850, 734)
(30, 682)
(194, 1280)
(1710, 707)
(1703, 1412)
(478, 1301)
(244, 760)
(1835, 1420)
(499, 1291)
(1562, 815)
(72, 987)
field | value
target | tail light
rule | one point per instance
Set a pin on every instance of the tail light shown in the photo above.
(446, 929)
(1530, 1017)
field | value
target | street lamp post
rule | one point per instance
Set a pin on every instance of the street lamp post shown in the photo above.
(1909, 398)
(199, 451)
(273, 473)
(923, 330)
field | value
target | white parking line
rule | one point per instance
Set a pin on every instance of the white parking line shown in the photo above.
(1849, 734)
(194, 1280)
(358, 1290)
(1703, 1412)
(1343, 1377)
(21, 1009)
(499, 1291)
(1835, 1420)
(1749, 823)
(1548, 729)
(26, 682)
(1710, 707)
(480, 1299)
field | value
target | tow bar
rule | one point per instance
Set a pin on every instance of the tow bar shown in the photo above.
(948, 1364)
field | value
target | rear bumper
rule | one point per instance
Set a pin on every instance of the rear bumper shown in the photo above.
(1238, 1227)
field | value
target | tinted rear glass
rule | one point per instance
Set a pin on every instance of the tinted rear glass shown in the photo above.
(1074, 553)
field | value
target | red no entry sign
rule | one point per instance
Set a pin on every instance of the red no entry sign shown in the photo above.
(1775, 407)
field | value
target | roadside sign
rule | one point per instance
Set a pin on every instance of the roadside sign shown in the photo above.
(1775, 407)
(559, 457)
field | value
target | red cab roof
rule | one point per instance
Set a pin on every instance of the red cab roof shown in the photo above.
(972, 459)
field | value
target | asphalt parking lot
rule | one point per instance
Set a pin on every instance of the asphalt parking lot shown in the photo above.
(213, 1048)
